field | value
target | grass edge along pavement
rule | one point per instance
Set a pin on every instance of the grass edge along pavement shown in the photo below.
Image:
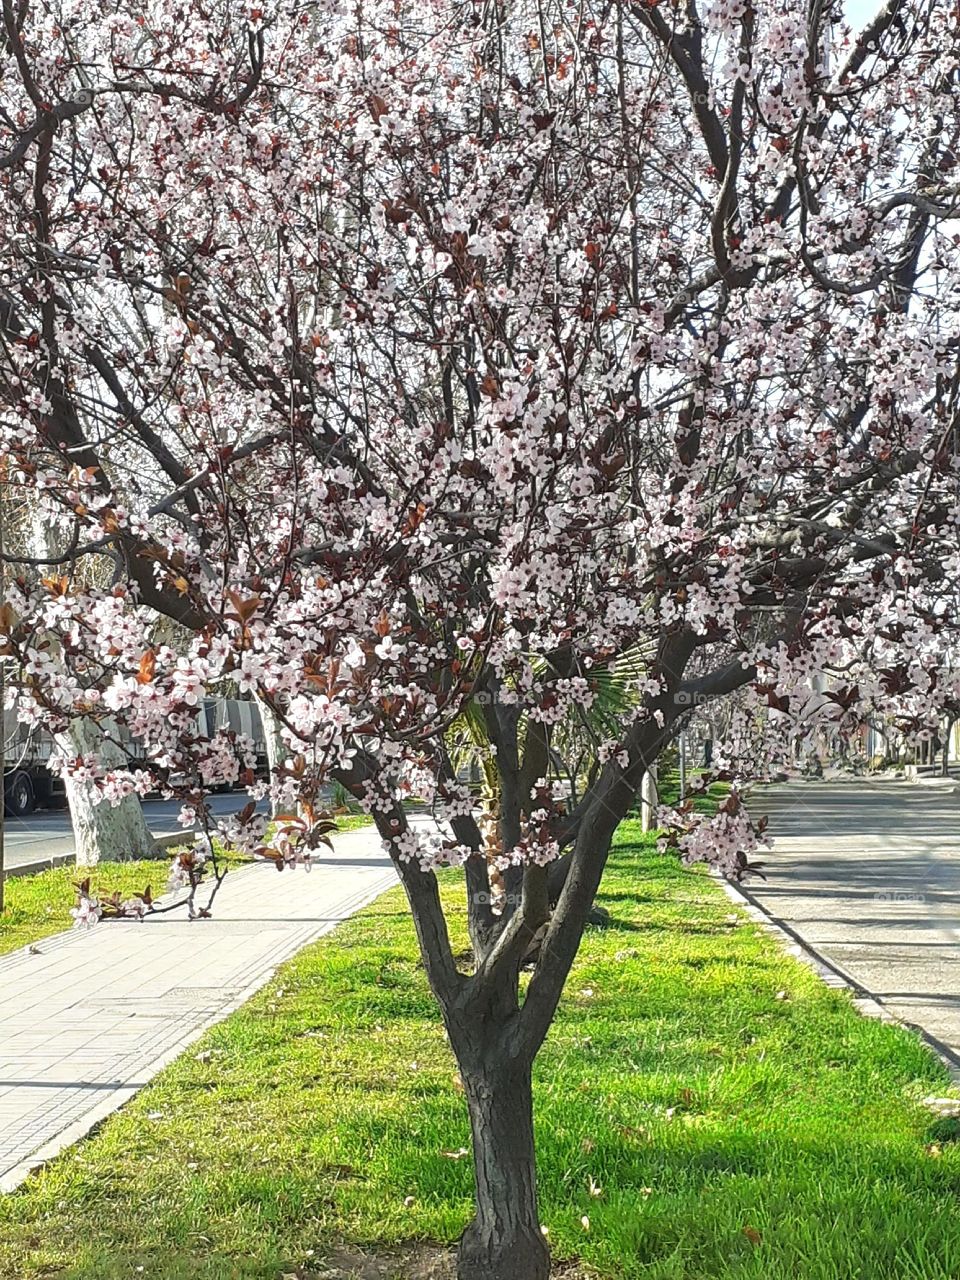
(706, 1107)
(37, 903)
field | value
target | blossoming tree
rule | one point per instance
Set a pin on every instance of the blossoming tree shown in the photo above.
(421, 361)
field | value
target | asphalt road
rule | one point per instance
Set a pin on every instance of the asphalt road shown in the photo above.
(47, 834)
(868, 875)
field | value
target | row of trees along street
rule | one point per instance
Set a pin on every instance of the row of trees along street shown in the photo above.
(533, 372)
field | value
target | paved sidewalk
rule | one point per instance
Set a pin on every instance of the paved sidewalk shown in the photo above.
(868, 876)
(90, 1019)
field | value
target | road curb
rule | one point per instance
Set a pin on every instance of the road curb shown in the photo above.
(165, 841)
(42, 864)
(831, 974)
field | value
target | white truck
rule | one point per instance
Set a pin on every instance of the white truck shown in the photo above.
(28, 783)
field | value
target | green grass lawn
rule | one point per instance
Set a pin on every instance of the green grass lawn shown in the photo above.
(736, 1118)
(668, 789)
(38, 905)
(352, 821)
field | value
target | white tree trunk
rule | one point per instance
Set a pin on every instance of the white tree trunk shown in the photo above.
(277, 749)
(102, 832)
(648, 799)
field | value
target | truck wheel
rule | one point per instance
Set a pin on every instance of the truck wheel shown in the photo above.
(18, 795)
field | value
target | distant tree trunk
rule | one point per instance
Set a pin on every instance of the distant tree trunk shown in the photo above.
(277, 749)
(648, 799)
(102, 832)
(945, 760)
(504, 1240)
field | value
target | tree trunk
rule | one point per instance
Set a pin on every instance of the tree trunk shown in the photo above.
(648, 799)
(102, 832)
(504, 1240)
(277, 749)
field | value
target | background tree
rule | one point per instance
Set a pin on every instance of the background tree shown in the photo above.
(426, 356)
(102, 832)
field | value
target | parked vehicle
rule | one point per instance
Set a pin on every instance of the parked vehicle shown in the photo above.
(27, 781)
(29, 784)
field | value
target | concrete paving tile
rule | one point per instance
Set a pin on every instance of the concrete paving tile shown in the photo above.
(90, 1020)
(867, 874)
